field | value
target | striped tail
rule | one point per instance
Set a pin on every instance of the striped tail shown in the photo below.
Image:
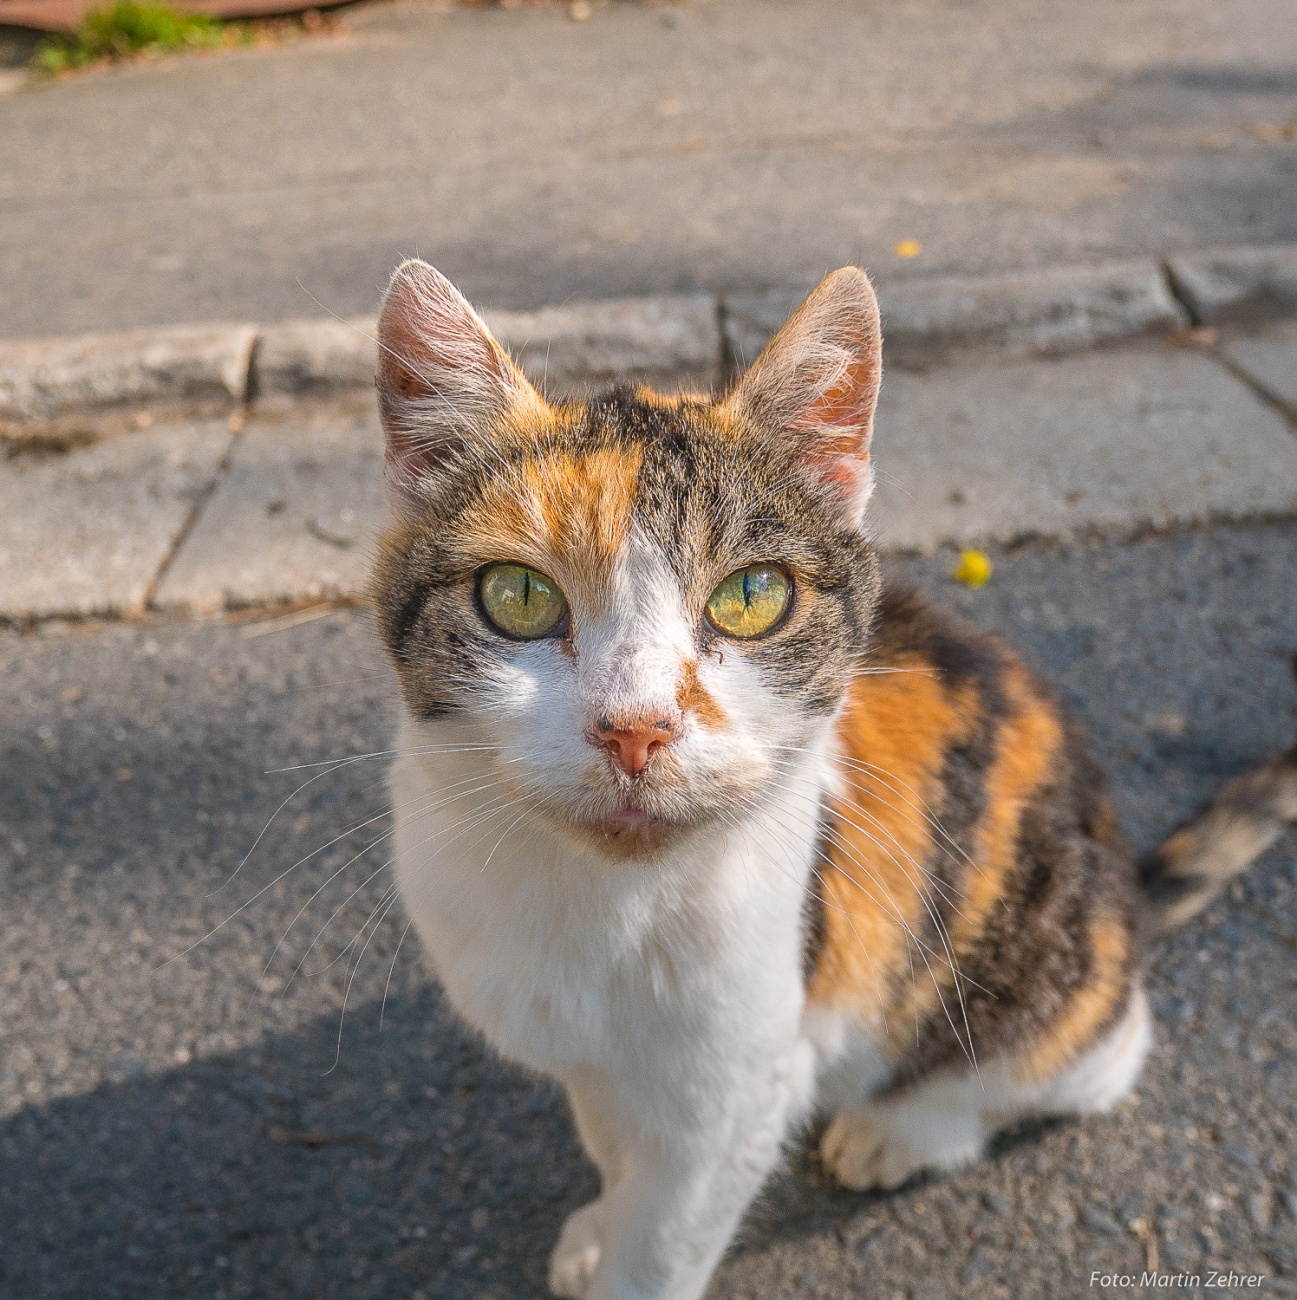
(1184, 874)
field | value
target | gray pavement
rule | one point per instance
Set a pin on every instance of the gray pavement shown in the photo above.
(174, 1124)
(295, 517)
(716, 144)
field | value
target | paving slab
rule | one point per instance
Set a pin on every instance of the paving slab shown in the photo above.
(1109, 441)
(86, 532)
(294, 519)
(979, 451)
(1269, 358)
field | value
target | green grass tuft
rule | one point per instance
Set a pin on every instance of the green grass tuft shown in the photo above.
(125, 30)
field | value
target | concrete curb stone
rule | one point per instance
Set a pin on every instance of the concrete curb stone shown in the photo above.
(1063, 309)
(560, 346)
(314, 357)
(1055, 310)
(664, 334)
(41, 379)
(1237, 283)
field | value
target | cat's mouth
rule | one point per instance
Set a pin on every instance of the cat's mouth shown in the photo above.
(629, 817)
(640, 818)
(626, 828)
(630, 830)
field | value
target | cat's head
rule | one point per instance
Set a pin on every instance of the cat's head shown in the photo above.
(644, 609)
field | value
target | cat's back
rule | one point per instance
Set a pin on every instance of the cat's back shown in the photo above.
(956, 709)
(972, 832)
(967, 720)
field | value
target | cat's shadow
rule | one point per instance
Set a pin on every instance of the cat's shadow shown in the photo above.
(801, 1199)
(420, 1165)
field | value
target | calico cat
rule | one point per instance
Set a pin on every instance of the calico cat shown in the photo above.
(698, 817)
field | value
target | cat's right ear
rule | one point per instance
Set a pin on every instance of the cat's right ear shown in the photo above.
(443, 382)
(814, 387)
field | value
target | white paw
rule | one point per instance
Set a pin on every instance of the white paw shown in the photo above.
(576, 1256)
(861, 1156)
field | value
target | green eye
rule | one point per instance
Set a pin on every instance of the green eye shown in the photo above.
(520, 602)
(750, 601)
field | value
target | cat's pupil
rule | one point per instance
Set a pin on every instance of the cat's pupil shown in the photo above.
(526, 587)
(747, 589)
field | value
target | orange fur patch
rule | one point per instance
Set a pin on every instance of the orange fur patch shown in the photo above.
(1075, 1028)
(692, 697)
(877, 889)
(893, 737)
(670, 401)
(566, 515)
(1026, 751)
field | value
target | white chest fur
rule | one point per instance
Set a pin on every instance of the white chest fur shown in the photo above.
(656, 971)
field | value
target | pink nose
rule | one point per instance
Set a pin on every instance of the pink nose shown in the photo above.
(631, 741)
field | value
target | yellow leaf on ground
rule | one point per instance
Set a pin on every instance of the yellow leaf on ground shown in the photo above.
(974, 569)
(908, 248)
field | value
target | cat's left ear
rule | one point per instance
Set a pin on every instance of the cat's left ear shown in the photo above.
(815, 385)
(444, 383)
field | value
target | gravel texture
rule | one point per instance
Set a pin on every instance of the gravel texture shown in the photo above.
(172, 1123)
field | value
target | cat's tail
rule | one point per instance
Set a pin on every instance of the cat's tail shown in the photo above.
(1180, 877)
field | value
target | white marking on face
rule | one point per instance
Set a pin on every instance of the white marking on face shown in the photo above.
(627, 661)
(630, 657)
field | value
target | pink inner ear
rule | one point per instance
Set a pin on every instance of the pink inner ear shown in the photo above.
(428, 342)
(408, 362)
(440, 374)
(840, 424)
(398, 365)
(815, 384)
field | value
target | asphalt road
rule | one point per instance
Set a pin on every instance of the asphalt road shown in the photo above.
(717, 144)
(172, 1123)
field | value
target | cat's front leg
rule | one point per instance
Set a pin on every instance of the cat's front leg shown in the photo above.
(574, 1259)
(680, 1192)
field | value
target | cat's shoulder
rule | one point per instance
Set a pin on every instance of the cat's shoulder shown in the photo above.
(932, 684)
(910, 626)
(920, 648)
(963, 708)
